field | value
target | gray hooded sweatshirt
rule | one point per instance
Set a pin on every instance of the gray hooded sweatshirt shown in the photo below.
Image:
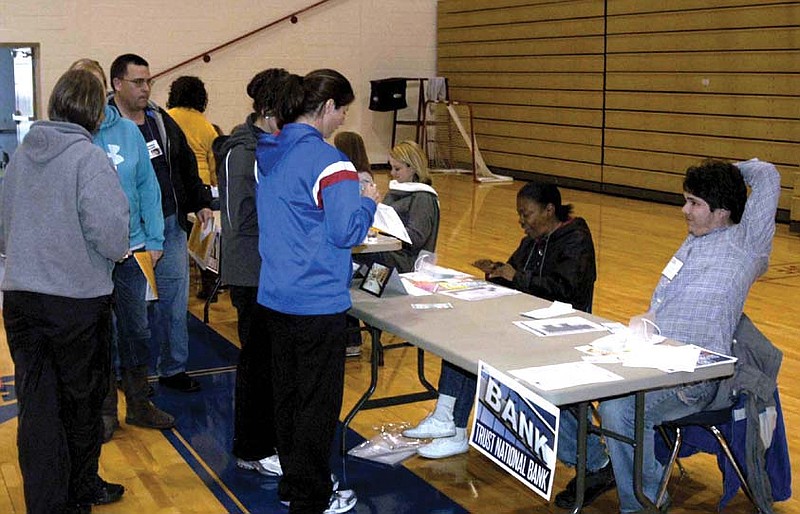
(63, 214)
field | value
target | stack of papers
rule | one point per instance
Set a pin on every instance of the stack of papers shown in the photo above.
(617, 348)
(456, 284)
(560, 376)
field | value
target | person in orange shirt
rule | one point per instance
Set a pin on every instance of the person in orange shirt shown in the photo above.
(186, 104)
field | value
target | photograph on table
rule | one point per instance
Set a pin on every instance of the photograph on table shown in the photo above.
(376, 279)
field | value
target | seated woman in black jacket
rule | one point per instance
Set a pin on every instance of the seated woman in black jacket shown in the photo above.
(556, 261)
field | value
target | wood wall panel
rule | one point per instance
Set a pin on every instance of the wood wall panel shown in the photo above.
(704, 15)
(744, 128)
(648, 87)
(767, 84)
(555, 167)
(488, 12)
(541, 64)
(537, 29)
(717, 147)
(526, 113)
(542, 148)
(533, 97)
(546, 46)
(540, 131)
(736, 106)
(710, 40)
(783, 61)
(666, 163)
(617, 7)
(561, 81)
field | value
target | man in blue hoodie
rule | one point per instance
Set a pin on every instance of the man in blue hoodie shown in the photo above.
(181, 192)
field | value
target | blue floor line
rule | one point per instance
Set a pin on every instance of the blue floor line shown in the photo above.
(205, 421)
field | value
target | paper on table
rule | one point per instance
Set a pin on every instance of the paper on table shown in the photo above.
(387, 221)
(624, 340)
(664, 357)
(479, 290)
(556, 309)
(560, 376)
(560, 326)
(412, 289)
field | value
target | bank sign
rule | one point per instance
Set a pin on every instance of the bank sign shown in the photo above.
(515, 428)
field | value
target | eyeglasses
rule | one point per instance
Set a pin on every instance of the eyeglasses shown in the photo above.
(141, 82)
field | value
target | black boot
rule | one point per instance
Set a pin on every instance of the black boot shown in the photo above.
(141, 411)
(597, 482)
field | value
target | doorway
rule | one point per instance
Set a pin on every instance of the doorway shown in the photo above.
(17, 96)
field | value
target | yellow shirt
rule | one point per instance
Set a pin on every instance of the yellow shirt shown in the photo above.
(200, 134)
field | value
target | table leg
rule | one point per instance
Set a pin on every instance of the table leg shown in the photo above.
(580, 457)
(366, 401)
(375, 337)
(207, 303)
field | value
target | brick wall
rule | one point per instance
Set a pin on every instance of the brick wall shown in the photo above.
(363, 39)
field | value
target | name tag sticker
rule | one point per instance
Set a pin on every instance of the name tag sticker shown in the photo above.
(154, 149)
(672, 268)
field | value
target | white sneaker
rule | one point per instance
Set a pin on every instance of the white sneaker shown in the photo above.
(269, 466)
(353, 351)
(341, 501)
(446, 447)
(431, 428)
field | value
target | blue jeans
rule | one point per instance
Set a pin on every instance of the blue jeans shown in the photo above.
(596, 456)
(130, 310)
(461, 384)
(168, 314)
(659, 406)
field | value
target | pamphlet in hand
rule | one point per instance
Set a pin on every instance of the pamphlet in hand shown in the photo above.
(387, 221)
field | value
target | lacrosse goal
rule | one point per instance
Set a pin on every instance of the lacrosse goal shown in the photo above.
(448, 137)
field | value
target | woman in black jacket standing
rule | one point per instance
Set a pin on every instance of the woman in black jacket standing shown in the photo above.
(254, 428)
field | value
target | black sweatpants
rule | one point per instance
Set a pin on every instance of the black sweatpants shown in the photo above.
(308, 354)
(60, 349)
(254, 416)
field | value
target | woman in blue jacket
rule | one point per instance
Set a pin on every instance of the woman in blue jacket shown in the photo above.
(310, 215)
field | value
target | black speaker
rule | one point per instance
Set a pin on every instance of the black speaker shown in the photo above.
(387, 94)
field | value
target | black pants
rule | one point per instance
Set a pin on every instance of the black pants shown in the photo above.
(308, 379)
(254, 417)
(60, 351)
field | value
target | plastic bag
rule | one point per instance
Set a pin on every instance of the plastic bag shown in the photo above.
(388, 446)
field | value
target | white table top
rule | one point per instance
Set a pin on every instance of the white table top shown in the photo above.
(483, 330)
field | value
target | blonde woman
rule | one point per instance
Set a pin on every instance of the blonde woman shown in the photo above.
(416, 202)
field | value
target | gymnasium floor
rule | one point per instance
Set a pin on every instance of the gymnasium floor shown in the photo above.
(189, 469)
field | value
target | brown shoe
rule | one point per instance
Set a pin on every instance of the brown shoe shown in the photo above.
(148, 415)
